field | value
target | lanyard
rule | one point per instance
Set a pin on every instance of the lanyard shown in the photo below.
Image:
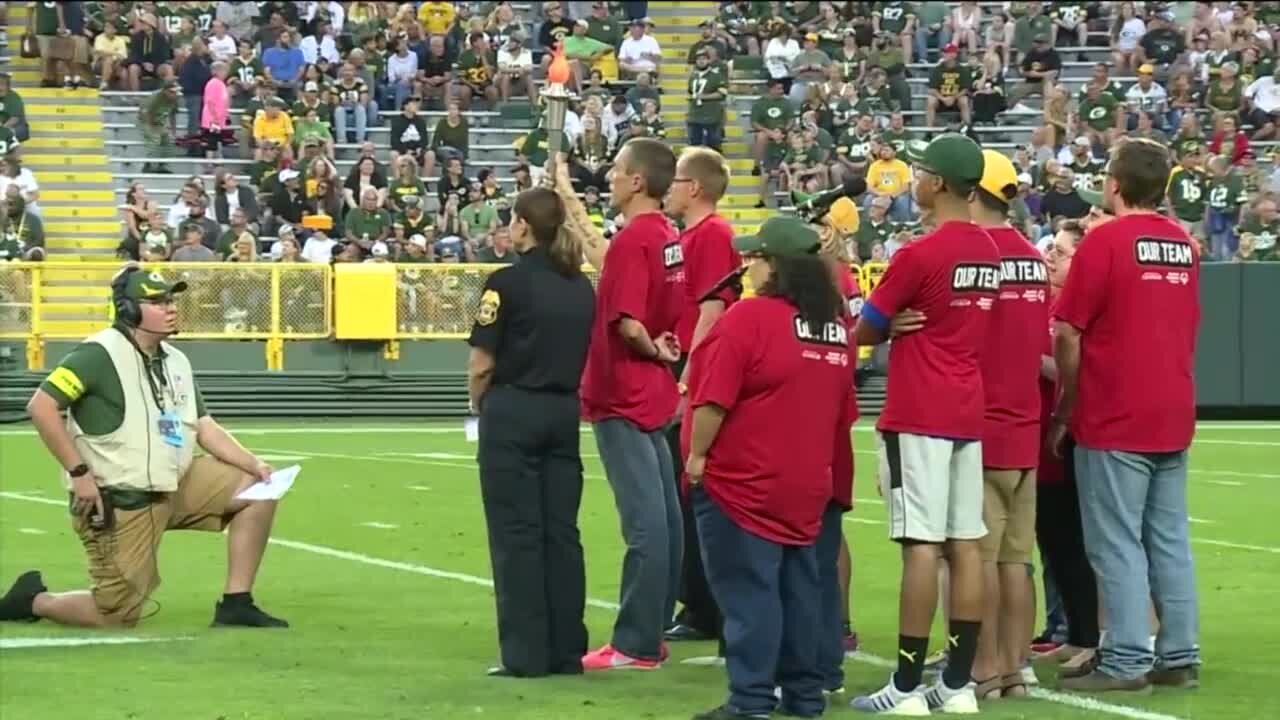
(154, 370)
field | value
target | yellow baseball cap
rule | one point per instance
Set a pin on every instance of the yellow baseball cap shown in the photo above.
(999, 176)
(843, 216)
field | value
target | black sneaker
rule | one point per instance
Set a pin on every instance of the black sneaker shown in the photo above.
(680, 632)
(244, 614)
(16, 604)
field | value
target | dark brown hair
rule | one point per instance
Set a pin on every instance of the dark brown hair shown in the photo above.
(1141, 169)
(542, 210)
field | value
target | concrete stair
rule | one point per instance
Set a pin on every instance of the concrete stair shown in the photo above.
(67, 153)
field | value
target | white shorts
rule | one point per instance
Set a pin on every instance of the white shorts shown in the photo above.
(933, 487)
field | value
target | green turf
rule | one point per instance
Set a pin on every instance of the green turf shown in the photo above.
(397, 640)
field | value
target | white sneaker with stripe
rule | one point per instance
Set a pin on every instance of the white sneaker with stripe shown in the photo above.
(961, 701)
(889, 700)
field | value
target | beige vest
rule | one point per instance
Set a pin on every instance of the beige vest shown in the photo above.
(137, 455)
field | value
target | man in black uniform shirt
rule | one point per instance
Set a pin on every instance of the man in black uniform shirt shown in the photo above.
(528, 348)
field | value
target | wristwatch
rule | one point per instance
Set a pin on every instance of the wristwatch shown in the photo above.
(79, 471)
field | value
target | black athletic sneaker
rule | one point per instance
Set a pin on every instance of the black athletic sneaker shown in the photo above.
(16, 604)
(244, 614)
(724, 712)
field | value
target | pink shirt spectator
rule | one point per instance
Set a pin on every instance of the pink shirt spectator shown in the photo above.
(217, 104)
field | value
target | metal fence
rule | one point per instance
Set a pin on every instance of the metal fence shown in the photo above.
(249, 301)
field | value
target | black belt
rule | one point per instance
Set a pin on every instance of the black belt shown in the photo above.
(131, 498)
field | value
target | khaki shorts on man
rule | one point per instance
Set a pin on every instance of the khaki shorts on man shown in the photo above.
(122, 560)
(1009, 512)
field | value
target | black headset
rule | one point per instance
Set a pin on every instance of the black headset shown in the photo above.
(128, 311)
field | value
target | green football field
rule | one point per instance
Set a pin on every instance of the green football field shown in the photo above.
(380, 564)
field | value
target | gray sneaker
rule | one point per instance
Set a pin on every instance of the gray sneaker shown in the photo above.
(1185, 678)
(1098, 681)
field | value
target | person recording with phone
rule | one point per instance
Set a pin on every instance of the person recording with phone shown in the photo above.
(134, 417)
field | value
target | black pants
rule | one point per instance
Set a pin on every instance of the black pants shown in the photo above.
(700, 610)
(531, 482)
(1061, 538)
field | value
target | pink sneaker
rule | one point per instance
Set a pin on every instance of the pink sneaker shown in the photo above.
(606, 658)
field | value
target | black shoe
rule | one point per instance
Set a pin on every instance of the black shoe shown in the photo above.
(16, 605)
(680, 632)
(724, 712)
(162, 169)
(755, 170)
(243, 614)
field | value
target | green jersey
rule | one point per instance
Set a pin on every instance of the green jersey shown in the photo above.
(536, 145)
(478, 218)
(8, 141)
(1265, 235)
(247, 73)
(399, 189)
(361, 222)
(413, 226)
(950, 81)
(609, 32)
(1088, 173)
(894, 16)
(11, 107)
(1099, 113)
(854, 145)
(876, 101)
(869, 233)
(1226, 192)
(324, 111)
(1183, 145)
(476, 70)
(897, 138)
(1187, 192)
(706, 110)
(20, 235)
(1113, 88)
(170, 17)
(87, 381)
(1252, 71)
(46, 18)
(1223, 99)
(773, 113)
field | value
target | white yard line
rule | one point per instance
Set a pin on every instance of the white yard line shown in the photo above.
(1238, 546)
(1081, 703)
(61, 642)
(1227, 483)
(379, 525)
(31, 531)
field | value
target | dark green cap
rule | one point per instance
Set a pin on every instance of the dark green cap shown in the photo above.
(779, 236)
(144, 285)
(954, 157)
(913, 151)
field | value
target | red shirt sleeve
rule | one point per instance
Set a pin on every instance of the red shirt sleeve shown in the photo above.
(1085, 290)
(722, 360)
(898, 285)
(714, 257)
(628, 293)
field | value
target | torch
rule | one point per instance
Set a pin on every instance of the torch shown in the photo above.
(556, 97)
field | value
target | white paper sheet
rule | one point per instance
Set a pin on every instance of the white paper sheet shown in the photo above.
(275, 488)
(471, 426)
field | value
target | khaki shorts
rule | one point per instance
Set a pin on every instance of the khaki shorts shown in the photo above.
(122, 561)
(933, 487)
(1009, 511)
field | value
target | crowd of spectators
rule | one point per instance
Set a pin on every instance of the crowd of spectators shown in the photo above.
(288, 85)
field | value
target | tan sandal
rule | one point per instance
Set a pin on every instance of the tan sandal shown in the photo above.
(988, 689)
(1013, 686)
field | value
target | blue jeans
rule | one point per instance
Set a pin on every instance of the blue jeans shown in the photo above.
(706, 135)
(638, 466)
(1223, 242)
(831, 626)
(1134, 511)
(195, 106)
(361, 116)
(1055, 616)
(923, 38)
(769, 596)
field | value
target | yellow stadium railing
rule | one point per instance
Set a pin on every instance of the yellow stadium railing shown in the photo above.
(272, 302)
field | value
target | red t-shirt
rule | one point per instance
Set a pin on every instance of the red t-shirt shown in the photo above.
(952, 275)
(708, 257)
(1011, 369)
(1134, 294)
(1051, 469)
(785, 388)
(640, 280)
(850, 289)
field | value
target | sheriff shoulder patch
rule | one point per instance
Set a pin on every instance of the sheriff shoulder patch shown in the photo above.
(490, 301)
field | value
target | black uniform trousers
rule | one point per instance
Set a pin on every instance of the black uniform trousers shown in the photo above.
(700, 610)
(1061, 538)
(531, 483)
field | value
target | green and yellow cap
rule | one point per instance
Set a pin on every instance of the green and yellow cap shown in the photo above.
(953, 157)
(144, 285)
(779, 236)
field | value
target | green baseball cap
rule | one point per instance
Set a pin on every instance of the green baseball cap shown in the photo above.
(955, 157)
(913, 151)
(145, 285)
(779, 236)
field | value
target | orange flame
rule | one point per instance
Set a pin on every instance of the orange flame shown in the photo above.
(558, 72)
